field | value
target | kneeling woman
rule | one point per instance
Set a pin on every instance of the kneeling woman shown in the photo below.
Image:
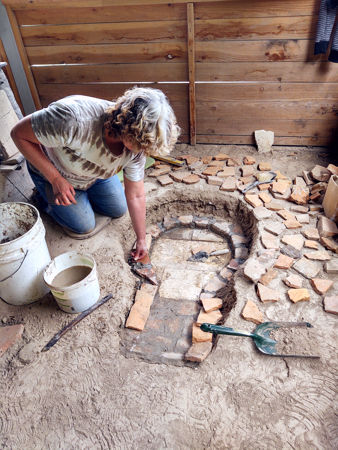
(77, 145)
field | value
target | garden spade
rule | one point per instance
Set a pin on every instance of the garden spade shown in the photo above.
(261, 335)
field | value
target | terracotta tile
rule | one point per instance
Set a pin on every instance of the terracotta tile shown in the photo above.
(252, 313)
(295, 240)
(298, 295)
(198, 352)
(270, 241)
(320, 173)
(215, 181)
(228, 185)
(331, 304)
(326, 227)
(330, 244)
(293, 281)
(247, 171)
(9, 335)
(280, 187)
(227, 172)
(265, 197)
(311, 244)
(211, 304)
(221, 157)
(321, 286)
(264, 166)
(318, 256)
(209, 317)
(249, 160)
(311, 233)
(191, 179)
(211, 171)
(292, 224)
(200, 336)
(164, 180)
(266, 294)
(269, 275)
(253, 200)
(284, 262)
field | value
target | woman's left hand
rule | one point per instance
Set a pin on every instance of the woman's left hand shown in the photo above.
(140, 251)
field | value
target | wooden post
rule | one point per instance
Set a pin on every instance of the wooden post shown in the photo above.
(23, 55)
(191, 70)
(8, 83)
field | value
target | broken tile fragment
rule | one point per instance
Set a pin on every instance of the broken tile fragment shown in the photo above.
(219, 164)
(264, 140)
(9, 335)
(280, 187)
(209, 317)
(158, 172)
(318, 255)
(225, 273)
(295, 240)
(198, 351)
(211, 304)
(329, 243)
(280, 176)
(298, 295)
(221, 157)
(292, 224)
(293, 281)
(306, 268)
(274, 205)
(265, 197)
(253, 200)
(164, 180)
(254, 270)
(275, 228)
(269, 241)
(264, 166)
(333, 169)
(207, 159)
(190, 159)
(261, 213)
(285, 214)
(303, 218)
(249, 160)
(228, 185)
(264, 186)
(269, 275)
(247, 171)
(283, 262)
(299, 209)
(311, 244)
(200, 336)
(215, 181)
(233, 264)
(211, 171)
(178, 176)
(232, 162)
(201, 222)
(320, 173)
(331, 304)
(191, 179)
(320, 285)
(267, 294)
(326, 227)
(227, 172)
(311, 233)
(299, 195)
(252, 313)
(307, 177)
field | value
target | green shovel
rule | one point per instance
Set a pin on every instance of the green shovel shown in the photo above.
(260, 336)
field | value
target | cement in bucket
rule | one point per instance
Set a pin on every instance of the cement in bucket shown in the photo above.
(23, 254)
(72, 278)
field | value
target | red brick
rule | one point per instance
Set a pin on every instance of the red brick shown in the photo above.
(140, 310)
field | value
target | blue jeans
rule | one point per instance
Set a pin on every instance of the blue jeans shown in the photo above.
(105, 197)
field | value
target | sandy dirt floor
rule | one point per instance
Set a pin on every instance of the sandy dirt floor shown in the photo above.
(84, 394)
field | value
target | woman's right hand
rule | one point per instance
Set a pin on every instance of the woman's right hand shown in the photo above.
(63, 191)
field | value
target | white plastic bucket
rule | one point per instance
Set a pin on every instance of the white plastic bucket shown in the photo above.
(23, 254)
(73, 297)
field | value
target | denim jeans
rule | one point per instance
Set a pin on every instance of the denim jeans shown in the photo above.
(105, 197)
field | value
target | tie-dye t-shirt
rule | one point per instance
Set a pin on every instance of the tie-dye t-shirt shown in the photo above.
(71, 132)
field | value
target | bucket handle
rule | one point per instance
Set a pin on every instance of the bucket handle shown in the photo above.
(16, 269)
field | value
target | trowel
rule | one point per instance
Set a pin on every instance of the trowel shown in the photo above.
(143, 268)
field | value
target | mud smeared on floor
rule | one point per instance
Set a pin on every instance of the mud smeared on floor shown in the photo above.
(302, 341)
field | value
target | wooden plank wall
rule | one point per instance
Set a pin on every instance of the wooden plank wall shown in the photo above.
(252, 61)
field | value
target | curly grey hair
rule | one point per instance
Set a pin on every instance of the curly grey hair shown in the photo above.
(144, 117)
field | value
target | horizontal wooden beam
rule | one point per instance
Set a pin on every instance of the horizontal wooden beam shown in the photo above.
(24, 4)
(299, 72)
(107, 73)
(249, 140)
(108, 53)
